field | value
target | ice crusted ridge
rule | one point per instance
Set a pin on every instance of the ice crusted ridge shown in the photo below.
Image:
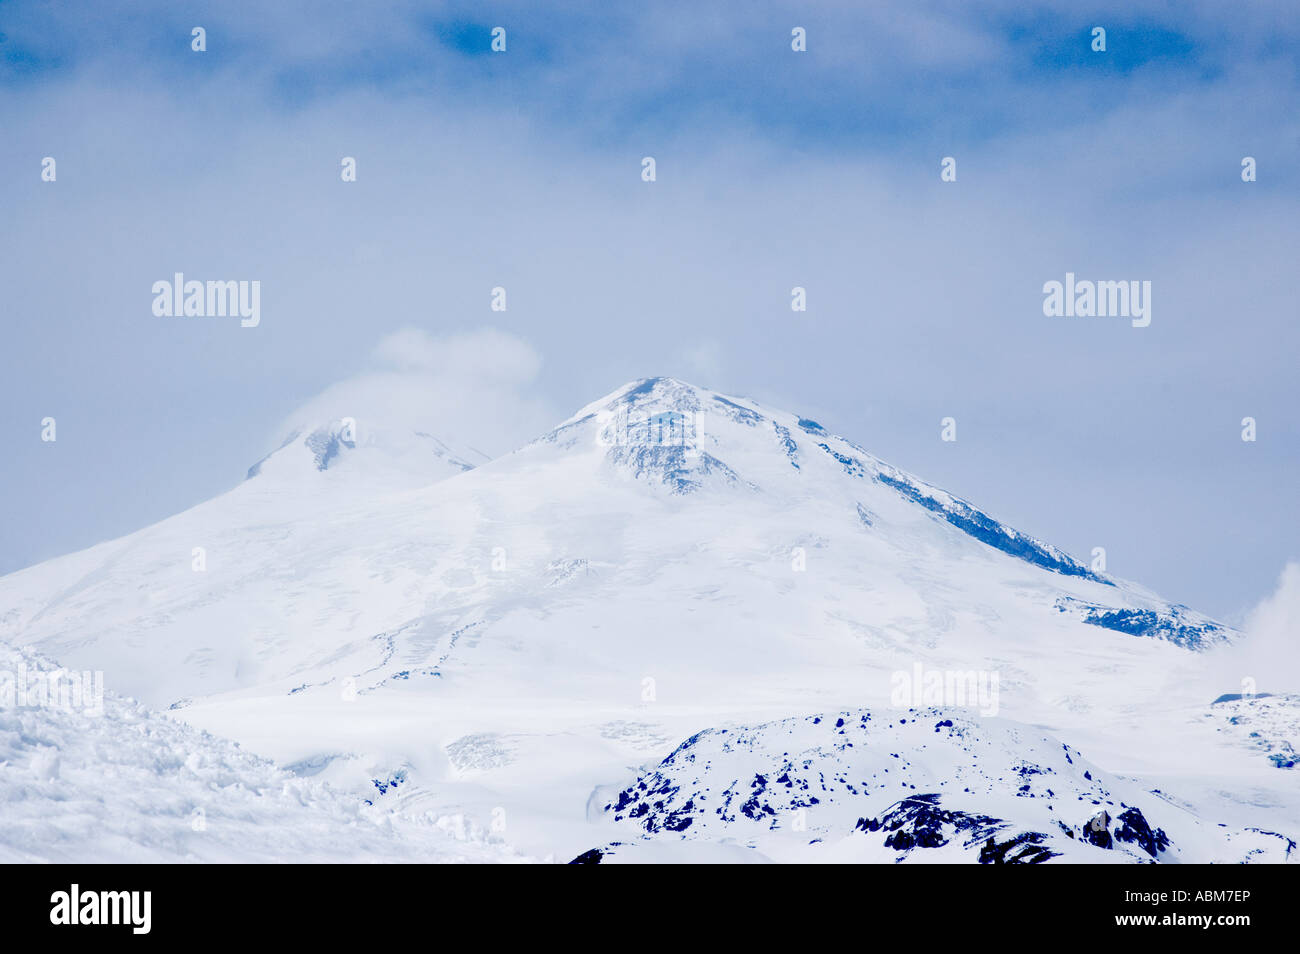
(685, 438)
(1177, 624)
(675, 437)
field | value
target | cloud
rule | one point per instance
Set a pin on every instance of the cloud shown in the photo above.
(471, 389)
(704, 362)
(1268, 657)
(776, 169)
(486, 355)
(929, 68)
(1272, 645)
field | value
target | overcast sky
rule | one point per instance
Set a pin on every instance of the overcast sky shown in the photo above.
(522, 169)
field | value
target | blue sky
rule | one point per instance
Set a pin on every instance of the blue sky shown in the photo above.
(775, 169)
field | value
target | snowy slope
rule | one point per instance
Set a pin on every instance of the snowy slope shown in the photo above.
(107, 780)
(503, 641)
(1267, 723)
(197, 600)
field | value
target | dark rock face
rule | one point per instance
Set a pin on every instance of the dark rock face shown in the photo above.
(1023, 849)
(1097, 831)
(591, 857)
(1130, 827)
(920, 822)
(1133, 827)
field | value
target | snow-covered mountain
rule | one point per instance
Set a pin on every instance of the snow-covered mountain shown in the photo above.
(506, 640)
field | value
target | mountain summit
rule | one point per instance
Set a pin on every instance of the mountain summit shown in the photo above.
(684, 438)
(372, 457)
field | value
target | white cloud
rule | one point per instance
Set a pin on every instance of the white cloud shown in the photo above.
(1270, 652)
(472, 389)
(485, 355)
(703, 362)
